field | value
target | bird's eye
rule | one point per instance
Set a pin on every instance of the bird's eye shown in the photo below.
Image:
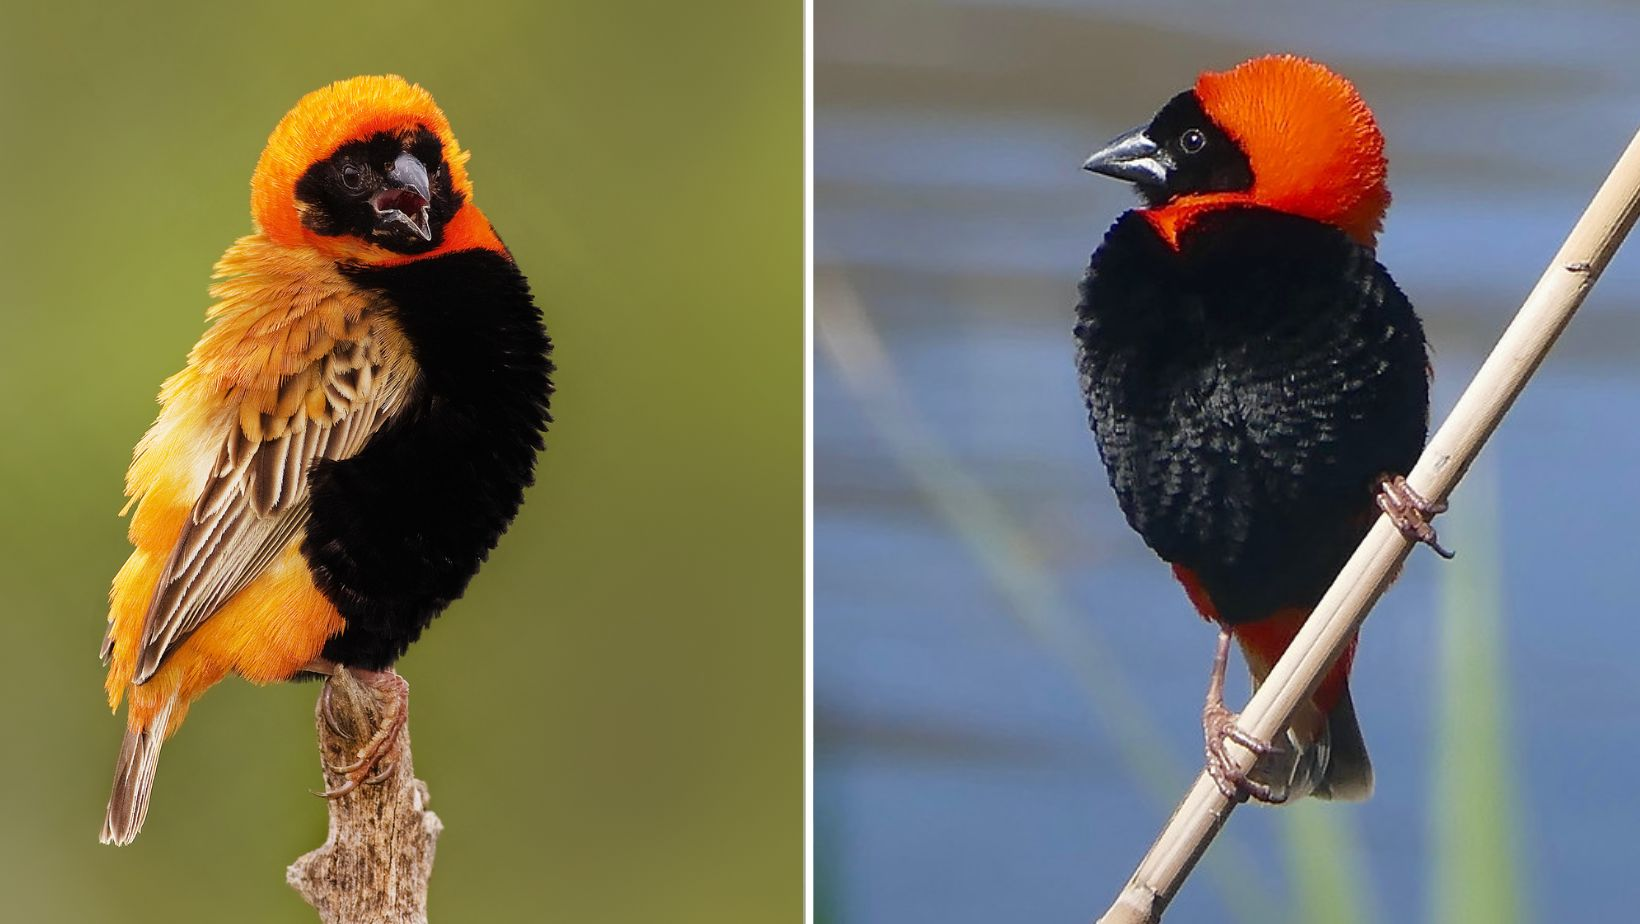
(351, 177)
(1192, 140)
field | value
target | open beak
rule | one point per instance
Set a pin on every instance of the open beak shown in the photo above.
(407, 196)
(1132, 157)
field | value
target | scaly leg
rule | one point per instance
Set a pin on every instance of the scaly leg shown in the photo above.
(373, 763)
(1219, 724)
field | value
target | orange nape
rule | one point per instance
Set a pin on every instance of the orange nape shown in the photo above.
(1313, 145)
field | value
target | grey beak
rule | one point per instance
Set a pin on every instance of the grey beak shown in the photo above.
(1132, 157)
(409, 172)
(407, 199)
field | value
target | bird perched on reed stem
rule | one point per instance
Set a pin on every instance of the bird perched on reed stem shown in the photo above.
(348, 440)
(1257, 382)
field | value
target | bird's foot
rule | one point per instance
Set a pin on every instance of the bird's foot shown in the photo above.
(1411, 511)
(374, 760)
(1218, 726)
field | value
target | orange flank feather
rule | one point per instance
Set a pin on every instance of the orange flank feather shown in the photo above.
(262, 384)
(1316, 146)
(1264, 641)
(268, 632)
(1196, 592)
(281, 312)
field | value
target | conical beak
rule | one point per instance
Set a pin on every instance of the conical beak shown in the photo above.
(1132, 157)
(407, 199)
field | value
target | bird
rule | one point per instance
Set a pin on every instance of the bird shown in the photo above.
(1256, 382)
(348, 440)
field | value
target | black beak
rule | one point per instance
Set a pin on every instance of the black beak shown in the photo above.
(1132, 157)
(407, 196)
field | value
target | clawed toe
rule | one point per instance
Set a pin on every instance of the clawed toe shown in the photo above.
(1411, 512)
(1226, 727)
(345, 769)
(1239, 787)
(1218, 726)
(327, 712)
(374, 764)
(339, 791)
(376, 759)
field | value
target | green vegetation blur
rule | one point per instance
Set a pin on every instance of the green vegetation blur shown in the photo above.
(611, 720)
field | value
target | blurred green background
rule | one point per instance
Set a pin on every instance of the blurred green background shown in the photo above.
(610, 721)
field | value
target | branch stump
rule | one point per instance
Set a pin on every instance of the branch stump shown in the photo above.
(374, 865)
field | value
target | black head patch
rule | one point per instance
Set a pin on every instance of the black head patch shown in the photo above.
(339, 195)
(1201, 158)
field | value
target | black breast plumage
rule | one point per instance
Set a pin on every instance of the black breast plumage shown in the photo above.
(1246, 389)
(398, 530)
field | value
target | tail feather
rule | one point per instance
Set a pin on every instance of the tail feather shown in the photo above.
(1320, 755)
(134, 779)
(1348, 774)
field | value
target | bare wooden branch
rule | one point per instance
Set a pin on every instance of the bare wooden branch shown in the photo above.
(374, 866)
(1369, 571)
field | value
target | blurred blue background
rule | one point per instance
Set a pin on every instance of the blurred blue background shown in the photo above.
(1008, 683)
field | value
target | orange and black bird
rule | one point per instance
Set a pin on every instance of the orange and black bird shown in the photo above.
(1257, 383)
(349, 439)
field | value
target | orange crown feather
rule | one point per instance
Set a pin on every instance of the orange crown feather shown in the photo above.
(1314, 147)
(345, 111)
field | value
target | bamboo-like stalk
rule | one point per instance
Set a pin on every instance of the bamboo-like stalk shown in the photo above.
(1546, 312)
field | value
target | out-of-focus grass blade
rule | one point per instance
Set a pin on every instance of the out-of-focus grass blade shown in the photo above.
(1477, 876)
(1326, 864)
(826, 871)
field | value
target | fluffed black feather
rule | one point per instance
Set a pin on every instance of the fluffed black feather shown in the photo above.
(1246, 389)
(398, 530)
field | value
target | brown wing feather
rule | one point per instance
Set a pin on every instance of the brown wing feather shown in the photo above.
(256, 499)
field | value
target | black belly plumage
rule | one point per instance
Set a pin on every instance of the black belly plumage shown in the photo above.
(1245, 389)
(398, 530)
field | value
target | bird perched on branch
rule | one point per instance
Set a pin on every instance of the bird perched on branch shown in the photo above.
(349, 439)
(1257, 383)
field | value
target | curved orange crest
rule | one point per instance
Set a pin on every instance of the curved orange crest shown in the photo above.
(1313, 144)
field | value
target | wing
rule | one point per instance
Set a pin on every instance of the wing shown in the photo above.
(302, 369)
